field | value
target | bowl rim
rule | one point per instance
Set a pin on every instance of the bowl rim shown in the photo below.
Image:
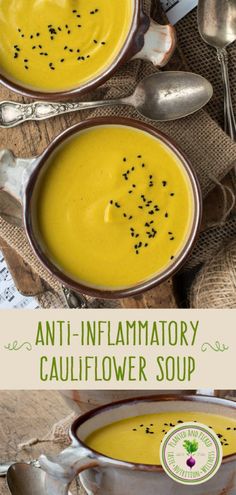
(156, 279)
(133, 400)
(132, 45)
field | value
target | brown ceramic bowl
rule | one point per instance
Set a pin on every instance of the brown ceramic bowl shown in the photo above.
(146, 40)
(21, 184)
(102, 475)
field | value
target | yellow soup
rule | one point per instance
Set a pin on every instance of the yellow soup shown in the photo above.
(138, 439)
(114, 206)
(60, 44)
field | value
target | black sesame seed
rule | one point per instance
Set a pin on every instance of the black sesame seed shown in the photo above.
(38, 34)
(26, 60)
(103, 43)
(26, 67)
(130, 192)
(31, 36)
(164, 183)
(133, 185)
(172, 194)
(117, 205)
(65, 47)
(172, 257)
(139, 156)
(95, 41)
(166, 215)
(143, 165)
(62, 60)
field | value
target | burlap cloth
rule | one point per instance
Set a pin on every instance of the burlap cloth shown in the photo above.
(211, 152)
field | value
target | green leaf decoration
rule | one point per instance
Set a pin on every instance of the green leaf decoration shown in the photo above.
(190, 447)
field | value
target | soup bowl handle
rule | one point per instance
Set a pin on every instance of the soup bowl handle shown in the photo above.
(14, 175)
(159, 44)
(63, 468)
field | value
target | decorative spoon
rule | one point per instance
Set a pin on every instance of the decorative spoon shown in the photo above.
(217, 27)
(162, 96)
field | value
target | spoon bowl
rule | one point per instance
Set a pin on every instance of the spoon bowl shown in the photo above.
(217, 22)
(25, 479)
(171, 95)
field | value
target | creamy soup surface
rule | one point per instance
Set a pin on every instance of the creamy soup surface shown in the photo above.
(114, 206)
(61, 44)
(138, 439)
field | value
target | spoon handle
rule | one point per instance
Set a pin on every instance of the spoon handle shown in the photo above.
(13, 113)
(230, 123)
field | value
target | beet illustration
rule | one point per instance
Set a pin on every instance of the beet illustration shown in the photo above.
(191, 448)
(190, 462)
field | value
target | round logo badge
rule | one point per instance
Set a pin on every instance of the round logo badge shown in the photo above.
(191, 453)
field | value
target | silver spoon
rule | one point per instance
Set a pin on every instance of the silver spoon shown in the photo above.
(217, 27)
(24, 479)
(161, 96)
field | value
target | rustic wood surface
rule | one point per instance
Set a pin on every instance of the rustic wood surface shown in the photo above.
(25, 415)
(31, 139)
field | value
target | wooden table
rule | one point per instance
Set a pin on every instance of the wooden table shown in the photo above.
(25, 415)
